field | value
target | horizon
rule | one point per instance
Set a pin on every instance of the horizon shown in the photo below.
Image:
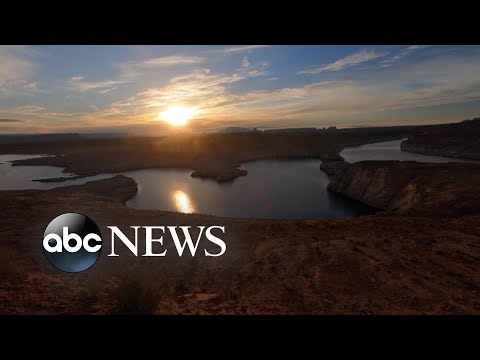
(221, 130)
(197, 89)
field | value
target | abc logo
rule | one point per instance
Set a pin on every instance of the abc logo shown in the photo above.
(72, 242)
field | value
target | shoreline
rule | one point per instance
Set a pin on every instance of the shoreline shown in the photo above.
(450, 153)
(216, 156)
(458, 140)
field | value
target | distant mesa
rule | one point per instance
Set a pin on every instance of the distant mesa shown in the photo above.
(291, 131)
(307, 130)
(236, 129)
(10, 120)
(471, 121)
(329, 129)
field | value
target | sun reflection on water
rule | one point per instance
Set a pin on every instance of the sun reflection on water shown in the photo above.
(182, 202)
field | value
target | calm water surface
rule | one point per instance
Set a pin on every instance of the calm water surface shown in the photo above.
(390, 150)
(272, 188)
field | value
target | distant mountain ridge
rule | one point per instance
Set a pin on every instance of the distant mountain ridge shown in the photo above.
(235, 129)
(37, 138)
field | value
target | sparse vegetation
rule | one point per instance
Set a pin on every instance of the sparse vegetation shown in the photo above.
(134, 295)
(94, 286)
(8, 264)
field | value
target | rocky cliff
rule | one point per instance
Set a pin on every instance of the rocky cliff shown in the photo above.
(408, 187)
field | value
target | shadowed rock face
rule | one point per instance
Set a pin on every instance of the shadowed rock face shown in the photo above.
(459, 140)
(220, 175)
(408, 187)
(372, 264)
(332, 168)
(117, 188)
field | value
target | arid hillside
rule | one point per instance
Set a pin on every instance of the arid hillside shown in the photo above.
(458, 140)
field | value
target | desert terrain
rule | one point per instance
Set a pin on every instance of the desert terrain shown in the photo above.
(419, 254)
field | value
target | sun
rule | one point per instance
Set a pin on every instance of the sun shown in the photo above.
(177, 115)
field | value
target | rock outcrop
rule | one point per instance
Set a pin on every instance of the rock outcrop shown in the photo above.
(118, 188)
(409, 187)
(332, 168)
(219, 175)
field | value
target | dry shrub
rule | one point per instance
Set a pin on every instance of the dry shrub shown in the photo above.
(95, 284)
(8, 263)
(134, 295)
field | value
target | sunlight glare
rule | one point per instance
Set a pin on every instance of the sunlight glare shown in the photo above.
(177, 115)
(182, 202)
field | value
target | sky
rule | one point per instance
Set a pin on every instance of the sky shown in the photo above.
(50, 89)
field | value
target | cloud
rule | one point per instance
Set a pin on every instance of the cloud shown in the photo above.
(199, 86)
(78, 83)
(427, 83)
(15, 86)
(349, 61)
(26, 109)
(16, 68)
(221, 99)
(172, 60)
(240, 49)
(402, 54)
(247, 69)
(132, 71)
(107, 90)
(9, 120)
(30, 85)
(35, 111)
(129, 72)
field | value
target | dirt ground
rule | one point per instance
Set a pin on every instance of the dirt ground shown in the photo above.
(376, 264)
